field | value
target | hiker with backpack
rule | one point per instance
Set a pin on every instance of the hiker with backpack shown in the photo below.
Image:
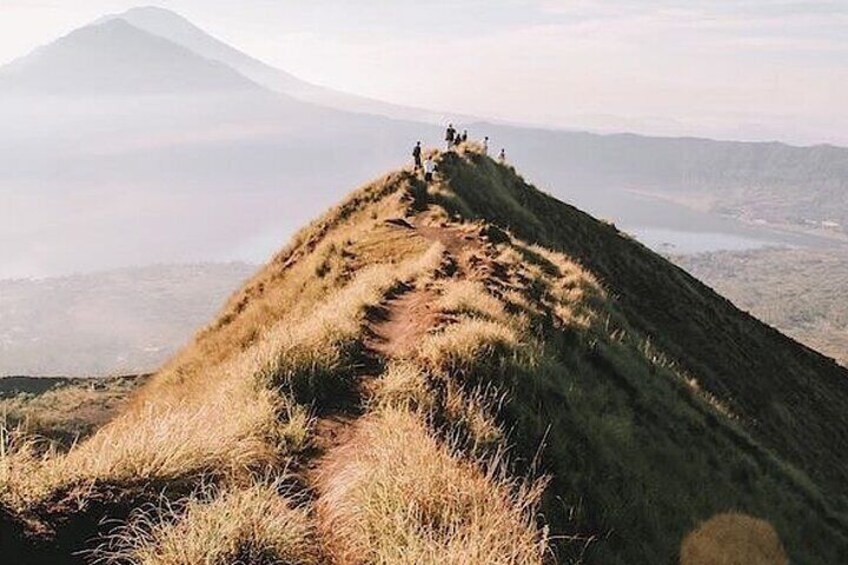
(416, 154)
(464, 137)
(450, 136)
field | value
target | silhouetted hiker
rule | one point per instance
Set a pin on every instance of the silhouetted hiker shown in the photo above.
(429, 169)
(486, 145)
(464, 135)
(416, 154)
(450, 136)
(502, 156)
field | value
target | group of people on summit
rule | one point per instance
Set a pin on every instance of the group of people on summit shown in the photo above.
(453, 139)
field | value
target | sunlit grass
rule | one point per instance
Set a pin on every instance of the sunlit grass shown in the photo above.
(396, 495)
(256, 524)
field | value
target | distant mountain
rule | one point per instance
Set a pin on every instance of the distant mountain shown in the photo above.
(804, 188)
(116, 58)
(179, 30)
(121, 148)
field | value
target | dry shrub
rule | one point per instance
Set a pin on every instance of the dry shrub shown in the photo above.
(396, 495)
(255, 525)
(733, 539)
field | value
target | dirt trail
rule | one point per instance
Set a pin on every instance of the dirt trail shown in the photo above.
(401, 322)
(399, 325)
(406, 318)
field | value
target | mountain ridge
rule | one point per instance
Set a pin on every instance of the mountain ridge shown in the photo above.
(462, 371)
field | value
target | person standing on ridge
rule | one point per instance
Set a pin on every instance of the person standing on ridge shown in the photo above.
(416, 154)
(502, 157)
(486, 145)
(429, 169)
(450, 136)
(464, 135)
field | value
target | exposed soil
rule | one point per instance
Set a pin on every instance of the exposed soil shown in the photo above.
(407, 318)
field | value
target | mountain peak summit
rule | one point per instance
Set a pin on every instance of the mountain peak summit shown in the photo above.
(112, 56)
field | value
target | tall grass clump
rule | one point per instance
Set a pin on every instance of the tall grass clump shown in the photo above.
(404, 385)
(236, 425)
(28, 468)
(470, 298)
(469, 346)
(258, 525)
(396, 495)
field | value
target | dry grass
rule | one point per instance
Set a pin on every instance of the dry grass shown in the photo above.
(403, 385)
(473, 414)
(463, 347)
(258, 525)
(395, 495)
(470, 414)
(470, 298)
(733, 539)
(232, 421)
(236, 426)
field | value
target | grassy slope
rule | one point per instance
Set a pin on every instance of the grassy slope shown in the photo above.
(656, 403)
(761, 375)
(665, 461)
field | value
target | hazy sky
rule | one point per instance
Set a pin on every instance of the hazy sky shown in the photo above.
(747, 69)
